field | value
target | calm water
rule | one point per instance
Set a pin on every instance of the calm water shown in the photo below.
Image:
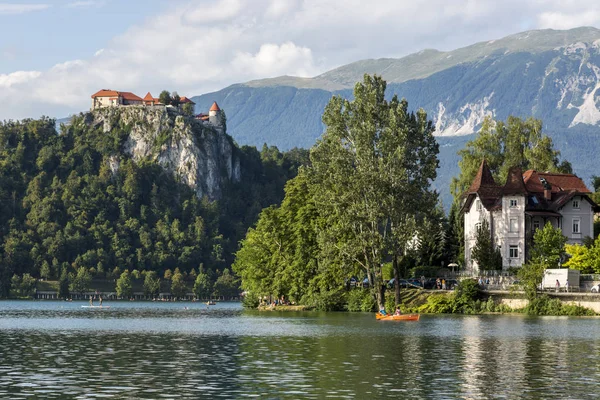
(150, 350)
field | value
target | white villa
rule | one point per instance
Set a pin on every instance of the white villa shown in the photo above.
(524, 204)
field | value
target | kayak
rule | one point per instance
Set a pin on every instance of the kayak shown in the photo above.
(402, 317)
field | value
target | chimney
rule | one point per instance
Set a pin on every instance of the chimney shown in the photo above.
(547, 194)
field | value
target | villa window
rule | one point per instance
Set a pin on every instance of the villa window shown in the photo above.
(514, 203)
(478, 205)
(536, 225)
(514, 226)
(477, 226)
(576, 227)
(513, 251)
(576, 204)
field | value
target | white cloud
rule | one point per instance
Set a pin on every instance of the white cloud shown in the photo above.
(273, 60)
(197, 46)
(18, 77)
(21, 8)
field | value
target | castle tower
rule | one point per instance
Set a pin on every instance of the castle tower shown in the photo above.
(214, 114)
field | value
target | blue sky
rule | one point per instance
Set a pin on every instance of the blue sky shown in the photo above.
(40, 39)
(55, 53)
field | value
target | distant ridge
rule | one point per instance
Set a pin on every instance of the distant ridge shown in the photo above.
(548, 74)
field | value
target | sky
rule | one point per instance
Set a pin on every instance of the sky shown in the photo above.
(55, 54)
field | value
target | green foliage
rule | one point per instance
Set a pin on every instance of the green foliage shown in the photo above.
(514, 143)
(226, 285)
(360, 300)
(165, 97)
(488, 256)
(188, 109)
(178, 286)
(250, 300)
(325, 300)
(585, 258)
(151, 284)
(61, 204)
(544, 305)
(63, 285)
(202, 285)
(548, 249)
(124, 286)
(81, 281)
(23, 286)
(438, 304)
(465, 295)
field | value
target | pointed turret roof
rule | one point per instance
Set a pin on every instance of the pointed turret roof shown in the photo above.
(483, 178)
(148, 97)
(215, 107)
(514, 182)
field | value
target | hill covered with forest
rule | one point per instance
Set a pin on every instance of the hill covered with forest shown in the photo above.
(129, 188)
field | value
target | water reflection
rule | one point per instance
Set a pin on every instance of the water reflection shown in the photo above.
(145, 350)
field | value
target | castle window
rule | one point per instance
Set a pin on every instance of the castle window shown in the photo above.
(514, 226)
(576, 204)
(576, 227)
(478, 205)
(514, 203)
(513, 251)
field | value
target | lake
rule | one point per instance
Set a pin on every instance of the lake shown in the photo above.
(163, 350)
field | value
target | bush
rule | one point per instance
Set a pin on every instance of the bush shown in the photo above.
(544, 305)
(360, 300)
(331, 300)
(250, 300)
(437, 304)
(428, 272)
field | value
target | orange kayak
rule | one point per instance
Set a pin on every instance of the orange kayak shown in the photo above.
(403, 317)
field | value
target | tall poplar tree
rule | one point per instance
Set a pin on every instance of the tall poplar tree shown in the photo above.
(372, 171)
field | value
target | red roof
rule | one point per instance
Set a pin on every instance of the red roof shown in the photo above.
(215, 107)
(514, 182)
(559, 182)
(148, 97)
(105, 93)
(113, 93)
(184, 100)
(483, 178)
(130, 96)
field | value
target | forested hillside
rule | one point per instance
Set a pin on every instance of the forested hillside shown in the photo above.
(64, 206)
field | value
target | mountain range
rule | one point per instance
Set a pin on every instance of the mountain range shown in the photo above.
(548, 74)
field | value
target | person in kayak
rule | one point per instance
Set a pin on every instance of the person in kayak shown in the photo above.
(398, 312)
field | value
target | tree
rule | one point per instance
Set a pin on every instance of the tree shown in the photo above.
(178, 287)
(584, 258)
(188, 109)
(124, 286)
(168, 274)
(226, 285)
(63, 285)
(514, 143)
(487, 255)
(165, 97)
(151, 284)
(27, 285)
(81, 282)
(548, 249)
(175, 99)
(372, 171)
(202, 285)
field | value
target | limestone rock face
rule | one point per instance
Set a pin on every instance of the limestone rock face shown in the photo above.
(198, 154)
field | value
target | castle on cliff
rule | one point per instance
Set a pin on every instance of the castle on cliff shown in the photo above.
(113, 98)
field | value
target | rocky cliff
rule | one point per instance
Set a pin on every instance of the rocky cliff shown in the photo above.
(198, 154)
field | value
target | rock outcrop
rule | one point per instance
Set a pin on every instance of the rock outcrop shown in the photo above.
(198, 154)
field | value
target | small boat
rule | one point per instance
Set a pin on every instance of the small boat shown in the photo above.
(401, 317)
(211, 303)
